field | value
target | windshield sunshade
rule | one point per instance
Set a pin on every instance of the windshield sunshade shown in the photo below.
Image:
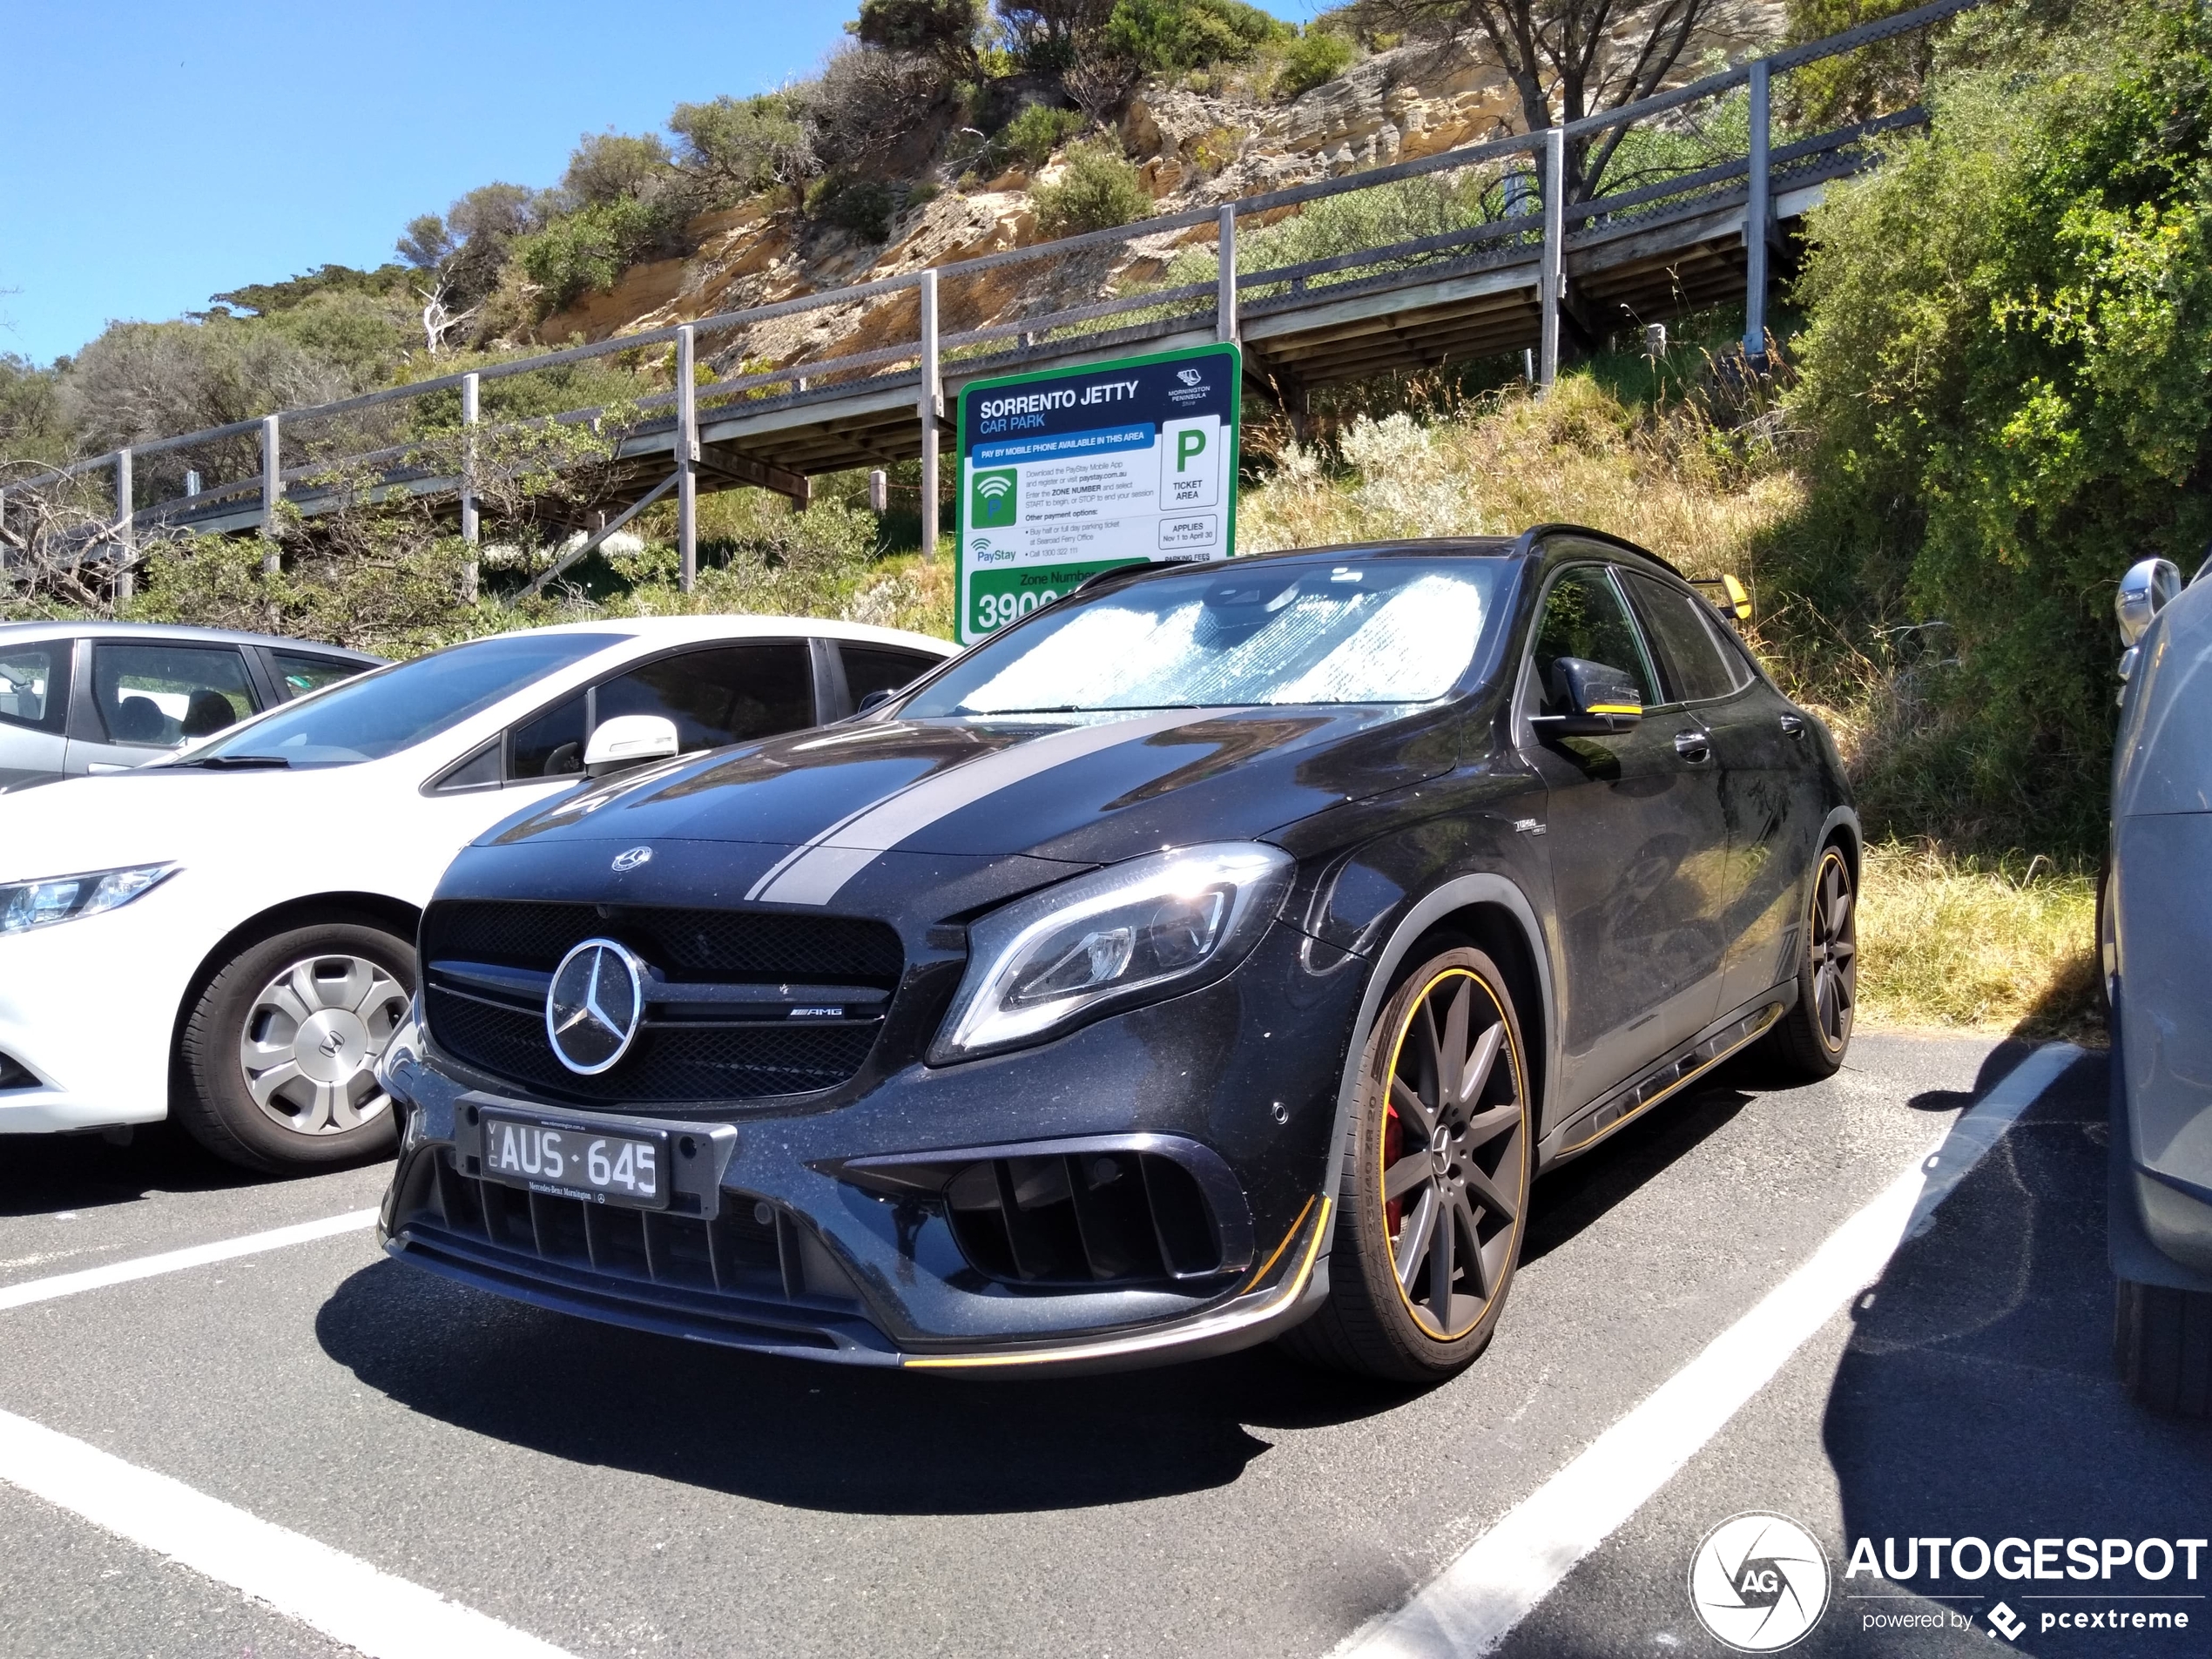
(1376, 630)
(382, 713)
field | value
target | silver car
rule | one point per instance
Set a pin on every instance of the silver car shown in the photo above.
(84, 697)
(2155, 933)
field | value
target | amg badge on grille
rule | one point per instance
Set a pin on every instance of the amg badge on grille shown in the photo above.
(594, 1005)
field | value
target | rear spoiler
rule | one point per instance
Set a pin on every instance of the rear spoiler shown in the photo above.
(1733, 600)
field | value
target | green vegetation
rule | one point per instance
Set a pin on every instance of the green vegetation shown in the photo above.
(1099, 189)
(1317, 55)
(1165, 36)
(2007, 382)
(1038, 131)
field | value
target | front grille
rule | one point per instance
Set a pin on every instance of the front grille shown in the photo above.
(734, 944)
(754, 1272)
(690, 1059)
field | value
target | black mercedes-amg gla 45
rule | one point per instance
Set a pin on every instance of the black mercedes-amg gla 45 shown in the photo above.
(1214, 955)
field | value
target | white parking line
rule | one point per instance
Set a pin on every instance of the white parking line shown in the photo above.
(173, 1261)
(344, 1598)
(1470, 1608)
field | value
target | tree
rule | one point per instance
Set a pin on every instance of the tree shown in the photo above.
(942, 31)
(1161, 37)
(744, 145)
(606, 166)
(1049, 35)
(1568, 59)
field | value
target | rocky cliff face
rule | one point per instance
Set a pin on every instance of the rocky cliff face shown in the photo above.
(1192, 148)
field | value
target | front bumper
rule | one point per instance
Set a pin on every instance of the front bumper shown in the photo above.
(88, 1009)
(824, 1234)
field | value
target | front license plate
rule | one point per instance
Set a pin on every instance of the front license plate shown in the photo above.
(574, 1163)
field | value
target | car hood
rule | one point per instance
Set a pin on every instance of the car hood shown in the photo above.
(817, 807)
(156, 814)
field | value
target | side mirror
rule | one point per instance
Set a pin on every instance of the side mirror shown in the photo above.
(629, 740)
(2149, 586)
(874, 700)
(1600, 699)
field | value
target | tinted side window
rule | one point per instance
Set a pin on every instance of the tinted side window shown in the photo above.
(34, 685)
(726, 695)
(296, 673)
(1695, 671)
(553, 743)
(165, 695)
(875, 668)
(1583, 617)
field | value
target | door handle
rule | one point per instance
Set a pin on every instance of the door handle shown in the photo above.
(1694, 746)
(1793, 725)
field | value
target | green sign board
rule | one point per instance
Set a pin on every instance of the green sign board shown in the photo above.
(1078, 470)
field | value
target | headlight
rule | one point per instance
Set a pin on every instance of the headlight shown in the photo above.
(25, 905)
(1151, 927)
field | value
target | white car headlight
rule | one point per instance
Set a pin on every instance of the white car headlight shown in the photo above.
(25, 905)
(1153, 926)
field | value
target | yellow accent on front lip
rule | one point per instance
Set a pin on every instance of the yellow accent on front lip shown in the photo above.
(1109, 1349)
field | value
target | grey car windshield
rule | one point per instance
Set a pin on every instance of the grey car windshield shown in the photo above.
(380, 714)
(1366, 631)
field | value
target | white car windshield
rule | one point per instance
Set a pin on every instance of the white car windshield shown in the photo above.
(1366, 630)
(382, 713)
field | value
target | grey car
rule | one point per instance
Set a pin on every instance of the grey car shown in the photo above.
(79, 697)
(2154, 934)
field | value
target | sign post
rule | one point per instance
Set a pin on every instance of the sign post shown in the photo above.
(1073, 471)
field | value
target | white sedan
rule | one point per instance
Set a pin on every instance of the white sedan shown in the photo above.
(230, 934)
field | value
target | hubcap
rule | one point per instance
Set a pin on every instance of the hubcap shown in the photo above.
(1834, 951)
(1453, 1144)
(311, 1040)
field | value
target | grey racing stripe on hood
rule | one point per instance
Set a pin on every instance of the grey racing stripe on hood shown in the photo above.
(815, 873)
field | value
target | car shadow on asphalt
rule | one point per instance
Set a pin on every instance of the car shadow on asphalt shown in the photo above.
(42, 1174)
(1578, 1193)
(818, 1436)
(1977, 1397)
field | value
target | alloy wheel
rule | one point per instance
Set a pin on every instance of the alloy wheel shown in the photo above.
(1834, 951)
(312, 1039)
(1454, 1146)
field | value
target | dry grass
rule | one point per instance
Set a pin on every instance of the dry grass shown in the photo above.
(1676, 484)
(1948, 943)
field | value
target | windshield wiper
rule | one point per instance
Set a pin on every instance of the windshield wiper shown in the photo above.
(244, 763)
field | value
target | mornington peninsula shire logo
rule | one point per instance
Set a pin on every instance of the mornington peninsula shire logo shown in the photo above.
(1758, 1582)
(994, 504)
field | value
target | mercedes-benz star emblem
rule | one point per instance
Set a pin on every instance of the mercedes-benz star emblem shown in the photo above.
(633, 858)
(593, 1006)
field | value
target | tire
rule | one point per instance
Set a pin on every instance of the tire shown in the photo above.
(1443, 1132)
(2163, 1341)
(329, 995)
(2107, 943)
(1809, 1043)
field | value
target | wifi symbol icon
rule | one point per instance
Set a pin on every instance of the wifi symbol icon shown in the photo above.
(993, 501)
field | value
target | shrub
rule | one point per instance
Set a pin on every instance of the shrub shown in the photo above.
(1039, 130)
(1165, 36)
(607, 166)
(744, 145)
(2009, 371)
(585, 251)
(1099, 189)
(1316, 55)
(862, 205)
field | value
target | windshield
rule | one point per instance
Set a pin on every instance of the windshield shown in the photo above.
(381, 713)
(1370, 631)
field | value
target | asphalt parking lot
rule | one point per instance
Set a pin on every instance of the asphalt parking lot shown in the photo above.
(607, 1492)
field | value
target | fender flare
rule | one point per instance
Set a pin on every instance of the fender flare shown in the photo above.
(1459, 894)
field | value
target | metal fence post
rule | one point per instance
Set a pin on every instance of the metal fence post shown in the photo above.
(471, 531)
(272, 491)
(1225, 304)
(687, 460)
(126, 579)
(1758, 217)
(930, 405)
(1552, 274)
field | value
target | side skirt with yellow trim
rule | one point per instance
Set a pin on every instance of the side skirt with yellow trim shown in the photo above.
(1675, 1072)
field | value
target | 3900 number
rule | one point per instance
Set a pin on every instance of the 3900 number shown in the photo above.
(996, 610)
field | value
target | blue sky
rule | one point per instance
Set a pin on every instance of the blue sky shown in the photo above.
(153, 154)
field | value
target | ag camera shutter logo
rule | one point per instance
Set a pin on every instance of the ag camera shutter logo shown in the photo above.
(1758, 1582)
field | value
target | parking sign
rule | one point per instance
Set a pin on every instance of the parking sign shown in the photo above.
(1073, 471)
